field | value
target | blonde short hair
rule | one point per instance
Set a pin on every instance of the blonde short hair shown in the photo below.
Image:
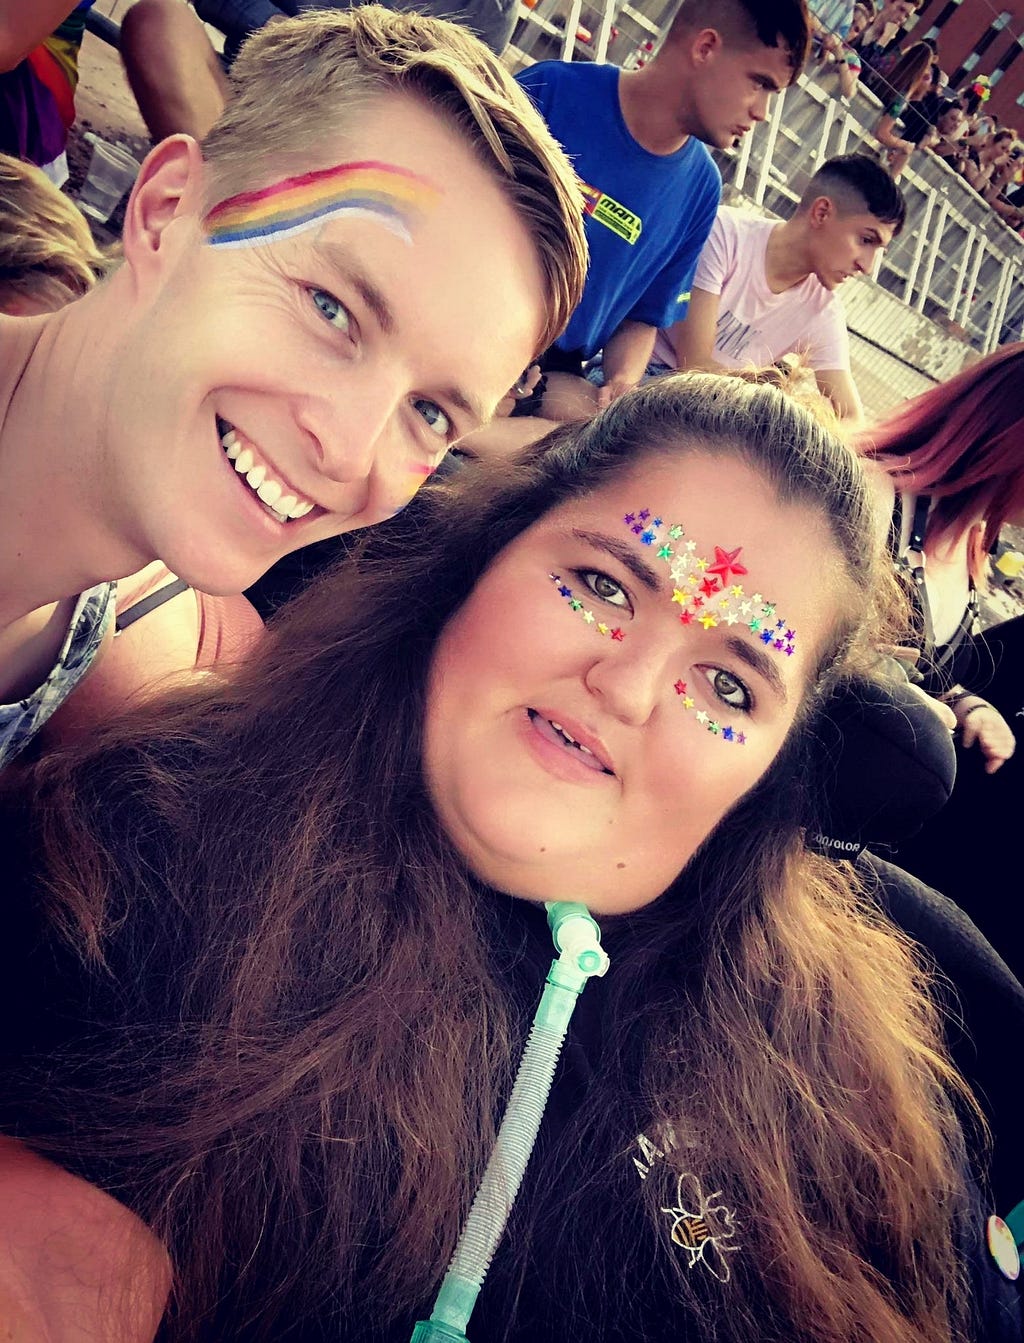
(47, 254)
(296, 80)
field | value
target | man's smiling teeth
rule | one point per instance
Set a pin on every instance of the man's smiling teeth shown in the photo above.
(281, 506)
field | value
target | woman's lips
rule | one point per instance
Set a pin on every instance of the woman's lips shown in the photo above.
(567, 742)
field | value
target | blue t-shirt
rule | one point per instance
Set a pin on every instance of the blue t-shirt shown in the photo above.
(647, 215)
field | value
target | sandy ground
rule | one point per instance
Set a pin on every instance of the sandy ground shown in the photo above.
(106, 108)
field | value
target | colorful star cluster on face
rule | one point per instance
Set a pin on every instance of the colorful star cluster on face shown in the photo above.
(582, 610)
(724, 732)
(706, 590)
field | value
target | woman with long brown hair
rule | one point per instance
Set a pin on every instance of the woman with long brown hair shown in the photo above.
(286, 938)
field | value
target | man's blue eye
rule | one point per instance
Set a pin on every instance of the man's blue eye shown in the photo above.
(434, 417)
(333, 310)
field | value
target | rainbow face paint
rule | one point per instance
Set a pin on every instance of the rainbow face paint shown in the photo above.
(394, 197)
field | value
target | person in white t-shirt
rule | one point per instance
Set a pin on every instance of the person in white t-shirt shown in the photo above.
(765, 289)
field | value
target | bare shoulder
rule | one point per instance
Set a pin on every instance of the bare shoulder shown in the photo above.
(75, 1265)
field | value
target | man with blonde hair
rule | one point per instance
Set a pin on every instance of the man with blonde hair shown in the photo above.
(292, 342)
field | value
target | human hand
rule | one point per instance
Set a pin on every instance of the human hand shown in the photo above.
(612, 390)
(943, 712)
(983, 725)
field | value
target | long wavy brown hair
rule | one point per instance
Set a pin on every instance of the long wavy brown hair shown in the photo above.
(313, 1039)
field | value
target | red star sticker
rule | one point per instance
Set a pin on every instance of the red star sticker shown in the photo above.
(725, 563)
(698, 602)
(686, 618)
(618, 636)
(708, 586)
(680, 687)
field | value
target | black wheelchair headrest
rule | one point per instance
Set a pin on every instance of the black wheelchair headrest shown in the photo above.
(885, 763)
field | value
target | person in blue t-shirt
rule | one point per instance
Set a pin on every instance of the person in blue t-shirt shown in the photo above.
(638, 140)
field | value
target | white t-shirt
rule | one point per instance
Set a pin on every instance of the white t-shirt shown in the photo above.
(755, 326)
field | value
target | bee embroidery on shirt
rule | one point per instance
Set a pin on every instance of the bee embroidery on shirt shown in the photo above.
(702, 1227)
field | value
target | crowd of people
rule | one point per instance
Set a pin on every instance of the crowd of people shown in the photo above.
(612, 653)
(863, 44)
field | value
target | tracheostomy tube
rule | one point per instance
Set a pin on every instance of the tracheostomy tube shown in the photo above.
(577, 939)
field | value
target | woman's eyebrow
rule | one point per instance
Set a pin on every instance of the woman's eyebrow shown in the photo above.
(755, 656)
(625, 554)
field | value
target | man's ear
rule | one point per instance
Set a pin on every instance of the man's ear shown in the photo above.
(706, 45)
(822, 209)
(169, 188)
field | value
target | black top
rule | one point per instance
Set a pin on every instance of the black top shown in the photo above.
(619, 1289)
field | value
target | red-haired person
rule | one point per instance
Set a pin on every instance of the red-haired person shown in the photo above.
(953, 459)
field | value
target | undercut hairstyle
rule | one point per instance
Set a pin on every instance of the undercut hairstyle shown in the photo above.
(744, 23)
(47, 253)
(325, 67)
(855, 183)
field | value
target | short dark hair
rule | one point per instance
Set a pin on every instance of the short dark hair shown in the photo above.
(783, 23)
(858, 181)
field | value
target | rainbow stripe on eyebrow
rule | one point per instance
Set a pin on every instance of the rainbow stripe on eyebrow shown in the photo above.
(394, 196)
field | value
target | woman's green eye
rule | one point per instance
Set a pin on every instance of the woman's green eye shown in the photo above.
(332, 309)
(604, 587)
(729, 689)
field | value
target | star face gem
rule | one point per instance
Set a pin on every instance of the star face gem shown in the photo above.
(675, 532)
(741, 738)
(691, 546)
(575, 604)
(731, 618)
(714, 727)
(629, 519)
(725, 563)
(637, 528)
(686, 618)
(602, 628)
(679, 597)
(656, 522)
(665, 553)
(644, 514)
(737, 590)
(648, 537)
(766, 636)
(702, 563)
(701, 716)
(708, 586)
(680, 687)
(588, 616)
(564, 591)
(755, 625)
(618, 636)
(727, 734)
(708, 621)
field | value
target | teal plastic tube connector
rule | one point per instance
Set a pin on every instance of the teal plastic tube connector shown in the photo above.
(577, 939)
